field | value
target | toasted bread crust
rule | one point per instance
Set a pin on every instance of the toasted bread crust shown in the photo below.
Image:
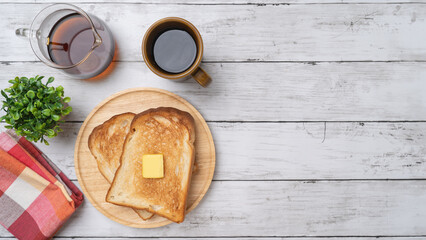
(108, 151)
(106, 145)
(166, 197)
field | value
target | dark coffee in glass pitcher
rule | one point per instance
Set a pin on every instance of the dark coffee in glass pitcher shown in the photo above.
(71, 38)
(65, 37)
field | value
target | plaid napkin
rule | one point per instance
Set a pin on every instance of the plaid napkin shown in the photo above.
(71, 188)
(36, 198)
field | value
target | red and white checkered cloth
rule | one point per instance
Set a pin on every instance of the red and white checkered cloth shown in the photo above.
(36, 198)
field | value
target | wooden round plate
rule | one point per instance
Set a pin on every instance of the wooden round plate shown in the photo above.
(138, 100)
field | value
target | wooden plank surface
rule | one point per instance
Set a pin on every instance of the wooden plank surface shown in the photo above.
(275, 64)
(249, 238)
(312, 32)
(290, 151)
(224, 2)
(276, 208)
(279, 238)
(265, 91)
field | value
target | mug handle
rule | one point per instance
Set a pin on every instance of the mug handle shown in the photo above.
(201, 77)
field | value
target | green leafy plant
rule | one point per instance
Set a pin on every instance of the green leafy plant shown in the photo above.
(34, 109)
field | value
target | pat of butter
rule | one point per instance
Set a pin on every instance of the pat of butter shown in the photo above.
(152, 166)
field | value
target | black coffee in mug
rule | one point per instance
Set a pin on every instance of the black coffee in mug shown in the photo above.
(172, 48)
(174, 51)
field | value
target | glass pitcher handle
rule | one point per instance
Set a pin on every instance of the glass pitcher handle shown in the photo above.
(22, 32)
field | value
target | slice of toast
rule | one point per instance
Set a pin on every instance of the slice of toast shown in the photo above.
(166, 131)
(106, 145)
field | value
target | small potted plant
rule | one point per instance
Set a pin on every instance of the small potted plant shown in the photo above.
(34, 109)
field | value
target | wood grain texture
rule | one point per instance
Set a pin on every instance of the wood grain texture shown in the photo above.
(275, 208)
(280, 238)
(251, 238)
(313, 32)
(137, 100)
(264, 91)
(223, 2)
(290, 151)
(238, 36)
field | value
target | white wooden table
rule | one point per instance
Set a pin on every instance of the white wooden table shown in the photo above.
(317, 109)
